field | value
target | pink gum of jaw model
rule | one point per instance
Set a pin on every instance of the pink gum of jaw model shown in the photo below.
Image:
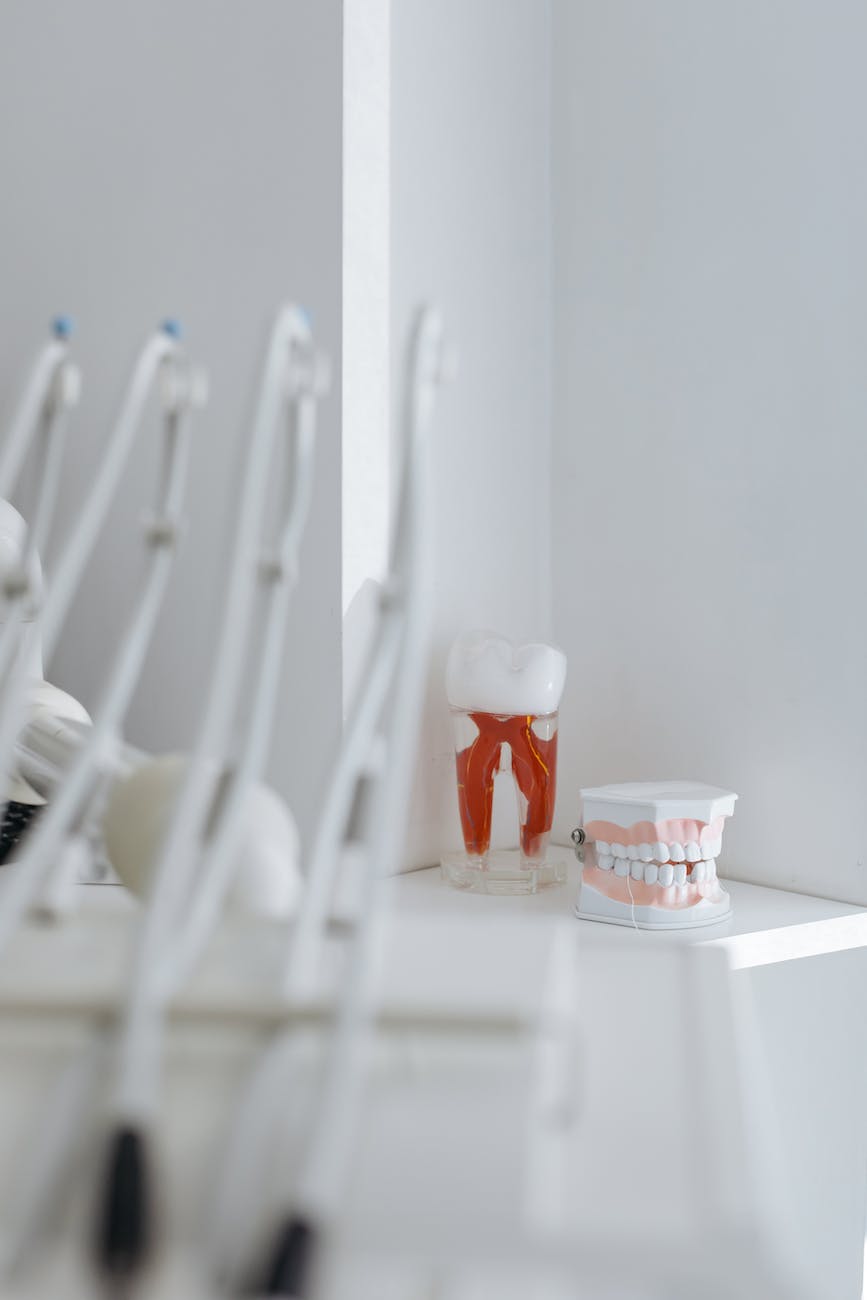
(673, 831)
(626, 890)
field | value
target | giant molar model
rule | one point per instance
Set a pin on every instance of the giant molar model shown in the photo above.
(504, 701)
(651, 856)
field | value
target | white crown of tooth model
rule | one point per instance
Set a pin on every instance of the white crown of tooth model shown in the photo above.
(651, 856)
(486, 673)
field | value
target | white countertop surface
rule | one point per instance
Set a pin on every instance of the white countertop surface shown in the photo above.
(452, 1164)
(766, 925)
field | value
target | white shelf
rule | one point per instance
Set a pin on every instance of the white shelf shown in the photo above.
(795, 1003)
(659, 1112)
(766, 925)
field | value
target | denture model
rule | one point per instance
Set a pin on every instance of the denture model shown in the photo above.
(504, 701)
(651, 854)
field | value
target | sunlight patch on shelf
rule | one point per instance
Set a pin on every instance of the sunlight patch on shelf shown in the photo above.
(793, 942)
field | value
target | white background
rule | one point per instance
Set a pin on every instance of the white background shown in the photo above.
(644, 225)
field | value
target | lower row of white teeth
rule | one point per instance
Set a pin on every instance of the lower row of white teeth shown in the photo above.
(669, 873)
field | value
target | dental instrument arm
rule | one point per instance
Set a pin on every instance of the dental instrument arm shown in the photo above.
(48, 747)
(80, 543)
(70, 760)
(45, 840)
(53, 380)
(276, 578)
(427, 365)
(177, 861)
(387, 718)
(52, 390)
(357, 770)
(292, 378)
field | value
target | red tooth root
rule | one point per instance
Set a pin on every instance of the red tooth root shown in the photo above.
(534, 767)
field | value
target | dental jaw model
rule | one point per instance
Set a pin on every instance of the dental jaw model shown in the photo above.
(504, 701)
(650, 860)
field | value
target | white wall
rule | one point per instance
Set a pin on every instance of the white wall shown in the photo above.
(820, 1001)
(709, 415)
(180, 159)
(470, 227)
(366, 292)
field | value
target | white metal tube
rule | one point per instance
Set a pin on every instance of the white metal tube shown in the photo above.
(334, 1124)
(79, 545)
(36, 394)
(395, 669)
(51, 391)
(180, 862)
(44, 843)
(177, 861)
(277, 574)
(84, 533)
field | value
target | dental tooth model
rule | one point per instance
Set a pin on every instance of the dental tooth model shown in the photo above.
(650, 860)
(504, 701)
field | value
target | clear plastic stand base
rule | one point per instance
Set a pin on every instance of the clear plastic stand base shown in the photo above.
(502, 871)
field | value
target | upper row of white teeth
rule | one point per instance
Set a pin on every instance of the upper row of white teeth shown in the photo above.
(670, 873)
(659, 852)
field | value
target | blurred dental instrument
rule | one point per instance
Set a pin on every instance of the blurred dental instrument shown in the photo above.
(361, 828)
(55, 844)
(49, 744)
(195, 805)
(37, 429)
(53, 388)
(20, 627)
(48, 751)
(200, 807)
